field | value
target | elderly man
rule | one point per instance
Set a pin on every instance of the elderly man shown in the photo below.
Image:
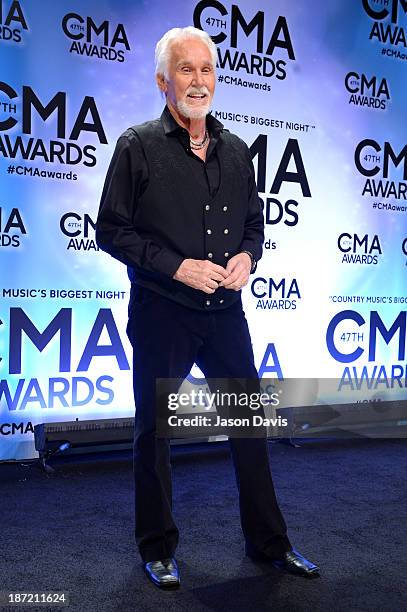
(180, 208)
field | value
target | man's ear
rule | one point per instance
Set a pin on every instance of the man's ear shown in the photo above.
(161, 82)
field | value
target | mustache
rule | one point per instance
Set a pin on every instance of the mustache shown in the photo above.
(196, 91)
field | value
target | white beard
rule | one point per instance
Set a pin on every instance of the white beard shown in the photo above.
(191, 112)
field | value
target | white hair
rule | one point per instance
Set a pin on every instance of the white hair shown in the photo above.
(163, 47)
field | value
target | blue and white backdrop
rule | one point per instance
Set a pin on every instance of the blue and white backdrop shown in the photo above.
(316, 89)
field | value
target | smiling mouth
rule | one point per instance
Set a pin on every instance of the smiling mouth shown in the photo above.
(196, 96)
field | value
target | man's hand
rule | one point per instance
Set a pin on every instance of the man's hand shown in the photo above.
(238, 269)
(201, 274)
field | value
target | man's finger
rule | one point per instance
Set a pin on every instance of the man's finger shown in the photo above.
(206, 289)
(216, 277)
(213, 284)
(232, 278)
(219, 269)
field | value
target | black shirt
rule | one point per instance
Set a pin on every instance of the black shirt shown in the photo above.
(207, 172)
(161, 204)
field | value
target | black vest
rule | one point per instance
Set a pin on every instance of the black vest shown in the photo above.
(176, 213)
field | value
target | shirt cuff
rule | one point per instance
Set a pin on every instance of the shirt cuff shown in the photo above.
(168, 262)
(253, 265)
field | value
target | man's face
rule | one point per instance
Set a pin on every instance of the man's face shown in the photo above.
(191, 82)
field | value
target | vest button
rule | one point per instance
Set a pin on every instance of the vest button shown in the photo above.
(221, 301)
(210, 255)
(226, 254)
(224, 208)
(207, 303)
(208, 231)
(226, 231)
(207, 207)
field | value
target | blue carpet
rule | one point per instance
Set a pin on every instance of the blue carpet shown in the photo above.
(345, 503)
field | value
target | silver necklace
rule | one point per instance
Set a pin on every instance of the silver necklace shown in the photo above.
(199, 145)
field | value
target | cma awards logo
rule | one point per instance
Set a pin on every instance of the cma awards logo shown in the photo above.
(274, 295)
(234, 28)
(372, 160)
(56, 150)
(350, 337)
(12, 21)
(80, 231)
(386, 29)
(91, 39)
(358, 250)
(103, 341)
(12, 228)
(277, 210)
(369, 92)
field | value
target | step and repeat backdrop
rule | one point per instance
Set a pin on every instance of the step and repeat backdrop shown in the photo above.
(316, 89)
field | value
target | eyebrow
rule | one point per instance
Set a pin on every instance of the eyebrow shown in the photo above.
(188, 63)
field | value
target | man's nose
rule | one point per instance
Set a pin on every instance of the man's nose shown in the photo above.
(198, 79)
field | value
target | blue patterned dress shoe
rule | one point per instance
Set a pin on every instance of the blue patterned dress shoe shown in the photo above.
(163, 573)
(293, 562)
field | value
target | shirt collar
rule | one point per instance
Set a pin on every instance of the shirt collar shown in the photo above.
(170, 125)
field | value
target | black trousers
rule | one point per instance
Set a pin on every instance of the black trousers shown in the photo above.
(167, 339)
